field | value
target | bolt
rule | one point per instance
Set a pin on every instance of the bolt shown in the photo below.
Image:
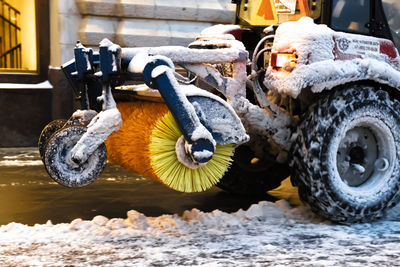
(382, 164)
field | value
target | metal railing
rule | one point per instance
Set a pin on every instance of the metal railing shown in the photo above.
(10, 45)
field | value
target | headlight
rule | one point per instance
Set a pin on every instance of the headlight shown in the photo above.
(285, 61)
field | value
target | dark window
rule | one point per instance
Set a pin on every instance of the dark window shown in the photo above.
(392, 12)
(350, 16)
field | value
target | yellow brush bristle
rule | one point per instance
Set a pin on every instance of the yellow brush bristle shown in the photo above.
(146, 144)
(129, 146)
(173, 173)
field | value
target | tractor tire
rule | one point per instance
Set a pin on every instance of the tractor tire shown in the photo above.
(60, 166)
(246, 177)
(47, 132)
(346, 156)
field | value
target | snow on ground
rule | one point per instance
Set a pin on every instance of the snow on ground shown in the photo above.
(42, 85)
(19, 157)
(267, 233)
(284, 233)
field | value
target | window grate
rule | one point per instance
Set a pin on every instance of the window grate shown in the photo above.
(10, 45)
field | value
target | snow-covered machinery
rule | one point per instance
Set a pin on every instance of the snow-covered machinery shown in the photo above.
(317, 103)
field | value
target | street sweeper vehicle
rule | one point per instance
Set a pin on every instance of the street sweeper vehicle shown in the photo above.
(245, 106)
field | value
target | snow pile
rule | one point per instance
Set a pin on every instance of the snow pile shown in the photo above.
(265, 234)
(311, 42)
(138, 224)
(219, 30)
(179, 54)
(320, 66)
(221, 36)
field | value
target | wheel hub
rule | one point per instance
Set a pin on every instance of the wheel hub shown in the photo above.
(360, 156)
(183, 156)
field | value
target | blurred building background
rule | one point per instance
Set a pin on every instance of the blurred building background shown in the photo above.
(37, 36)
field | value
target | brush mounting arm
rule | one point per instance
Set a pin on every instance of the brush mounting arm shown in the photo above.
(159, 74)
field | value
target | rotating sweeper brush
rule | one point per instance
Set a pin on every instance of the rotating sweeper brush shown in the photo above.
(147, 143)
(185, 142)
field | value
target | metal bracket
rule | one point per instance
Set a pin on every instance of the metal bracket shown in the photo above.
(109, 120)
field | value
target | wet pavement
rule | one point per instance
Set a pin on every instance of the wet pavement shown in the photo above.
(29, 196)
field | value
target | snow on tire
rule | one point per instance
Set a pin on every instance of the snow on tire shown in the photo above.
(346, 155)
(46, 133)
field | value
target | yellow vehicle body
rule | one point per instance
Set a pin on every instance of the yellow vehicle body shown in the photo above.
(261, 13)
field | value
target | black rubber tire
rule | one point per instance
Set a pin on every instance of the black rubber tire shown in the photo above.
(60, 170)
(316, 154)
(246, 178)
(47, 132)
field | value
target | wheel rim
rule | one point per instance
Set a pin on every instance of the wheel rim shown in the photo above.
(365, 153)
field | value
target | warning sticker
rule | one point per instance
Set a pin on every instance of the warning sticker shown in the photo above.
(357, 46)
(285, 6)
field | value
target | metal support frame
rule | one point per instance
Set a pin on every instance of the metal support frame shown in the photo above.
(109, 120)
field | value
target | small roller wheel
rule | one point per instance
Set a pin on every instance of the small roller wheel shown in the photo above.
(48, 130)
(58, 160)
